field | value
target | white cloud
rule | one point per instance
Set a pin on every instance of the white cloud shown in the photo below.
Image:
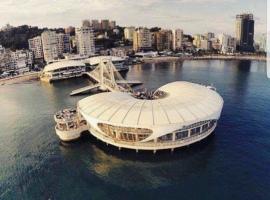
(191, 15)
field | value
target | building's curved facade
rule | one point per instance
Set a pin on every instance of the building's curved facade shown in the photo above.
(187, 113)
(63, 70)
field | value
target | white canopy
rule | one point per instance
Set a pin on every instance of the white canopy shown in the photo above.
(185, 103)
(63, 64)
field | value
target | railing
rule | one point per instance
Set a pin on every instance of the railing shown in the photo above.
(72, 128)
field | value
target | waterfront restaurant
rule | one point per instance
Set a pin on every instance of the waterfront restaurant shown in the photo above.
(62, 70)
(177, 114)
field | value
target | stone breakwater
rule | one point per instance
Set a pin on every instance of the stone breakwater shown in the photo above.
(20, 78)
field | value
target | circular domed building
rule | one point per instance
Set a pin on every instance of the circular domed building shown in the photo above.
(177, 114)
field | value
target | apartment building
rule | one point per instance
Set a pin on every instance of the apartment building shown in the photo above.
(35, 45)
(50, 45)
(177, 39)
(85, 41)
(142, 39)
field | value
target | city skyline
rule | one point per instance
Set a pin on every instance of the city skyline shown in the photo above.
(218, 15)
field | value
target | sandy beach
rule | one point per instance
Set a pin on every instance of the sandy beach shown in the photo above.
(20, 78)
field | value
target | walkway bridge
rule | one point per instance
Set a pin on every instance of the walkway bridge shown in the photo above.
(106, 78)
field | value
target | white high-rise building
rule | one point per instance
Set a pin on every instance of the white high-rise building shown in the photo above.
(128, 33)
(63, 42)
(50, 45)
(85, 41)
(228, 43)
(261, 40)
(177, 38)
(35, 45)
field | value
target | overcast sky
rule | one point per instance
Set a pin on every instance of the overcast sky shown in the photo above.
(193, 16)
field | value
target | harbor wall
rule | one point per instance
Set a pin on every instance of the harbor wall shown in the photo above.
(210, 57)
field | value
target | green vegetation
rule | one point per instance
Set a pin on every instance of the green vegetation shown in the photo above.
(17, 37)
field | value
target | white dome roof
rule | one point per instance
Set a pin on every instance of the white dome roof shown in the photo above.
(63, 64)
(185, 103)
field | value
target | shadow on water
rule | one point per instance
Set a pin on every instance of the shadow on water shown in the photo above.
(141, 170)
(241, 78)
(244, 65)
(88, 140)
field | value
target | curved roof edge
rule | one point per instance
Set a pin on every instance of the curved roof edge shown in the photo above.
(97, 59)
(63, 64)
(186, 103)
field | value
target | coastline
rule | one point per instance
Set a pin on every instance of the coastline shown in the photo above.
(20, 78)
(35, 75)
(213, 57)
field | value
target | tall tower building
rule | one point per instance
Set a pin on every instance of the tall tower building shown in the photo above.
(105, 24)
(245, 32)
(50, 45)
(70, 30)
(177, 38)
(63, 41)
(86, 23)
(210, 35)
(85, 41)
(112, 24)
(142, 39)
(162, 40)
(95, 24)
(128, 33)
(35, 45)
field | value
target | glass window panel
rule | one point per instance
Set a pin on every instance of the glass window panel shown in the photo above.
(181, 135)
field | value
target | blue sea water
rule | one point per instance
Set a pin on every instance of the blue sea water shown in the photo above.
(234, 163)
